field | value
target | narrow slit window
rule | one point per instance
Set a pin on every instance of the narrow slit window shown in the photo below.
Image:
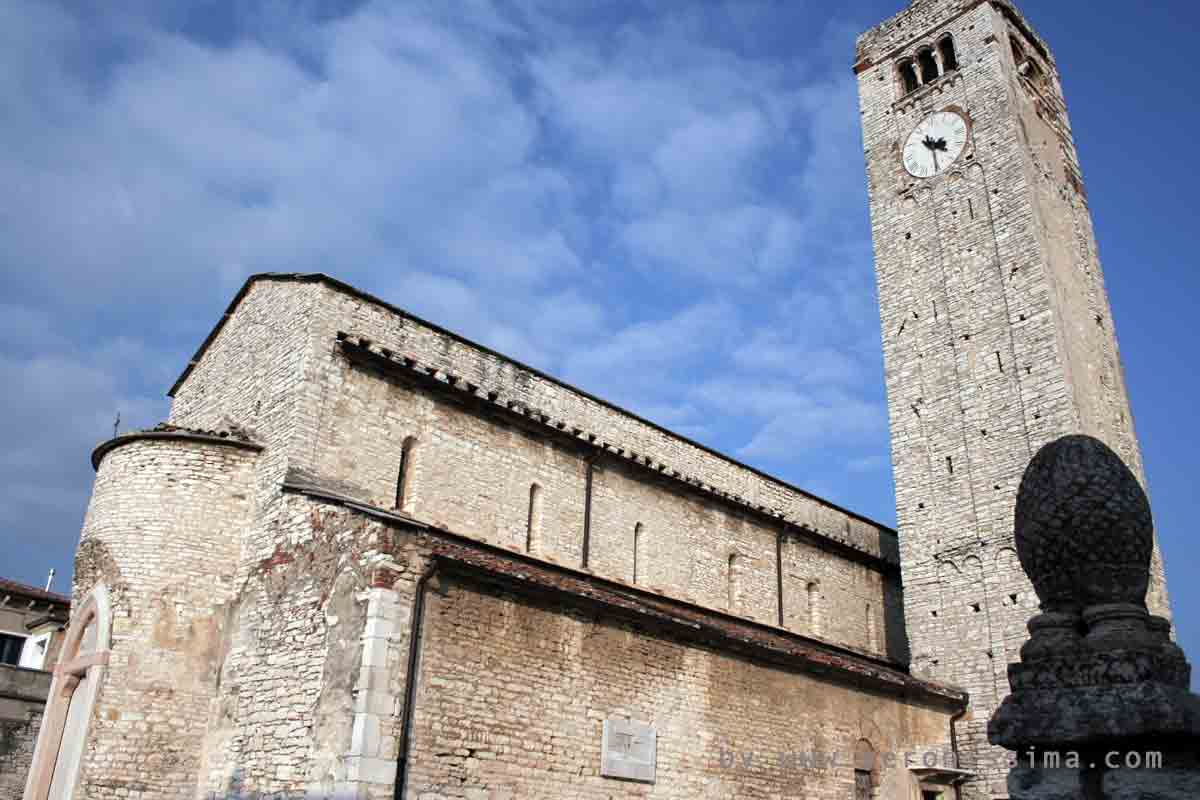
(639, 561)
(732, 582)
(813, 595)
(949, 56)
(404, 473)
(929, 67)
(533, 525)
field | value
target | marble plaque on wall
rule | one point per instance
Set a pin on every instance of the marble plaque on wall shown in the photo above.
(628, 750)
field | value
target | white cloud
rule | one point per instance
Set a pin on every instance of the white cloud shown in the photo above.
(640, 199)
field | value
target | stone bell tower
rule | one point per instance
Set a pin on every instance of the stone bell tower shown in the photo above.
(996, 326)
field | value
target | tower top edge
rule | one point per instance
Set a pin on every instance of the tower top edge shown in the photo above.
(923, 18)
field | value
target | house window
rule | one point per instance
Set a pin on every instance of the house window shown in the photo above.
(34, 654)
(10, 648)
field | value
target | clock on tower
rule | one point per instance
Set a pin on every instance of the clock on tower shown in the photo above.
(997, 332)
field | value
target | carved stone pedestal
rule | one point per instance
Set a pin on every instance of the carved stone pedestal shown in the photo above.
(1100, 707)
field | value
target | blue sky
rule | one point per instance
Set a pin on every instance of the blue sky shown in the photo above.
(663, 203)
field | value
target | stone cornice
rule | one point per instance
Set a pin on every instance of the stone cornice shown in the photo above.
(470, 557)
(347, 289)
(172, 433)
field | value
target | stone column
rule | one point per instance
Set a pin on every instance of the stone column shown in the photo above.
(1100, 707)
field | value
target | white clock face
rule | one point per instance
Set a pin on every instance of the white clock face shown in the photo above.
(935, 144)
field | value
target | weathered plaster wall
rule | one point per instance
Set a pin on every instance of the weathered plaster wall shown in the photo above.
(162, 531)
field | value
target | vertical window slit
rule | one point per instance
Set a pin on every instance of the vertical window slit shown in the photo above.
(637, 551)
(813, 595)
(533, 525)
(950, 464)
(732, 582)
(404, 473)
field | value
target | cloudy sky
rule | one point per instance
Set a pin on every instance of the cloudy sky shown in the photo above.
(662, 202)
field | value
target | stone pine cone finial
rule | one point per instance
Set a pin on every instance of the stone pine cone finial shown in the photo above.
(1084, 531)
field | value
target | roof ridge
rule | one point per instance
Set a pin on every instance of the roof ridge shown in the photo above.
(9, 586)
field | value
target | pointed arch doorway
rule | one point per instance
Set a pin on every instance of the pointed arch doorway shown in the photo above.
(60, 744)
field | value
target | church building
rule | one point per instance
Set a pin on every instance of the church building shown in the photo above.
(368, 558)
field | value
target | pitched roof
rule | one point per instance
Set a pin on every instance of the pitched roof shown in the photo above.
(32, 592)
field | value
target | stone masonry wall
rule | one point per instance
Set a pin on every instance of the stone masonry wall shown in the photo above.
(252, 378)
(997, 335)
(514, 691)
(23, 694)
(340, 310)
(162, 532)
(17, 739)
(274, 371)
(474, 472)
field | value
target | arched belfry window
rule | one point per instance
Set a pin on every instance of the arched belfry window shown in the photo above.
(949, 56)
(908, 76)
(408, 456)
(63, 736)
(533, 526)
(928, 65)
(1018, 52)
